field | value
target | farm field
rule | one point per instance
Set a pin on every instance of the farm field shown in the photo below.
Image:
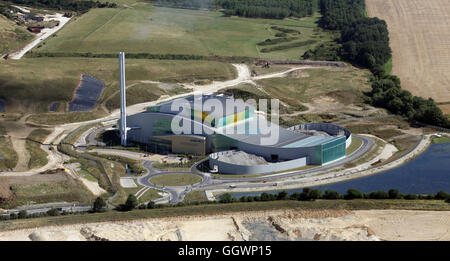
(420, 42)
(146, 29)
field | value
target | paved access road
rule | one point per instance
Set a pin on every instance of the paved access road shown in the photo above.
(177, 194)
(43, 208)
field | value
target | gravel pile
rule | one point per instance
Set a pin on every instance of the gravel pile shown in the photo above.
(242, 158)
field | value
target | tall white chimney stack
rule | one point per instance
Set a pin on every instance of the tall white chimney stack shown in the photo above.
(123, 101)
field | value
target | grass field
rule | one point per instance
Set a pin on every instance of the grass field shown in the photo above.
(150, 194)
(345, 86)
(418, 32)
(34, 84)
(214, 209)
(38, 157)
(147, 29)
(441, 140)
(356, 143)
(373, 129)
(70, 191)
(12, 36)
(9, 159)
(175, 180)
(141, 92)
(195, 196)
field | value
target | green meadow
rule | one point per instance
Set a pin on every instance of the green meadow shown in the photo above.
(143, 28)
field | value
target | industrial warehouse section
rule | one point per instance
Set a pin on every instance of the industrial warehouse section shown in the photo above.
(239, 140)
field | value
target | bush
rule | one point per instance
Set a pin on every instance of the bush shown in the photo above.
(225, 198)
(379, 195)
(394, 194)
(53, 212)
(441, 195)
(294, 196)
(427, 197)
(151, 205)
(131, 202)
(330, 194)
(353, 194)
(99, 205)
(266, 197)
(314, 194)
(12, 216)
(282, 195)
(181, 204)
(23, 214)
(410, 196)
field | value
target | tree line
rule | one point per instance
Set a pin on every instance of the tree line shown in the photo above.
(364, 42)
(77, 6)
(312, 194)
(307, 194)
(270, 9)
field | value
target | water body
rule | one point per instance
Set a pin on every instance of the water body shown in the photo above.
(2, 105)
(428, 173)
(54, 106)
(87, 94)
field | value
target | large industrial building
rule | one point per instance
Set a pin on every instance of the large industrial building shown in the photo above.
(225, 131)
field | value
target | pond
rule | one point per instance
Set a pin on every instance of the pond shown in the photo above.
(87, 94)
(54, 106)
(2, 105)
(428, 173)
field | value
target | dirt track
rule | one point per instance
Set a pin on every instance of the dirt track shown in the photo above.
(420, 40)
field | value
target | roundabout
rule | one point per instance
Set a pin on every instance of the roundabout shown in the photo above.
(175, 180)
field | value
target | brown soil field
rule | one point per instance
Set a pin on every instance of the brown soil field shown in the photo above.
(445, 108)
(420, 41)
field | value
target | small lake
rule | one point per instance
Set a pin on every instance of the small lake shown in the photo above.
(87, 94)
(428, 173)
(54, 106)
(2, 105)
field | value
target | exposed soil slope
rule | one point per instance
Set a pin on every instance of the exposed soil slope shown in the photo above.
(363, 225)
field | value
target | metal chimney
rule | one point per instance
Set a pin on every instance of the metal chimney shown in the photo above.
(123, 101)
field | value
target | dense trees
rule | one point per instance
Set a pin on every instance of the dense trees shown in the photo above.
(308, 194)
(78, 6)
(188, 4)
(337, 14)
(274, 9)
(365, 41)
(387, 93)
